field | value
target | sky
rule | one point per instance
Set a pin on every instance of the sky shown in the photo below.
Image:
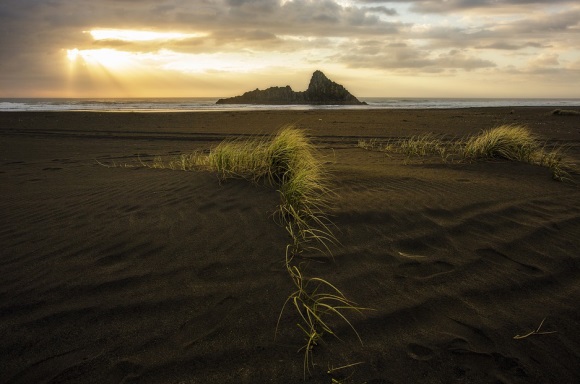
(222, 48)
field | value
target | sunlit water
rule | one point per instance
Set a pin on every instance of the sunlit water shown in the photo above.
(209, 104)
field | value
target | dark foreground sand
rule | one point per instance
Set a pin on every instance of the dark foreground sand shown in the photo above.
(113, 275)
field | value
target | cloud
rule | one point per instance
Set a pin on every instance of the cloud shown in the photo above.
(48, 26)
(550, 24)
(408, 59)
(544, 30)
(382, 10)
(448, 6)
(545, 60)
(446, 37)
(506, 46)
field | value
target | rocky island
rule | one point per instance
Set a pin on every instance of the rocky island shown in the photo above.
(321, 91)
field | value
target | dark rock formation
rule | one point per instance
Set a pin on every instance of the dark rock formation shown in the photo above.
(320, 91)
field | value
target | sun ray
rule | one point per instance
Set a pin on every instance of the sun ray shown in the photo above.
(110, 58)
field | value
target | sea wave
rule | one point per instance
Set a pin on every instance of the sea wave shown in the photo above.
(209, 104)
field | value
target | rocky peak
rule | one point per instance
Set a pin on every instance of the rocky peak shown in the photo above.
(321, 90)
(321, 87)
(318, 81)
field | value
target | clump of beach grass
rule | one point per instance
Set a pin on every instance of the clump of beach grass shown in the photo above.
(516, 142)
(238, 158)
(370, 144)
(420, 145)
(315, 300)
(566, 112)
(290, 163)
(423, 145)
(295, 168)
(510, 142)
(556, 160)
(189, 161)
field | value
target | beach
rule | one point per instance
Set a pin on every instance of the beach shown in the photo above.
(115, 272)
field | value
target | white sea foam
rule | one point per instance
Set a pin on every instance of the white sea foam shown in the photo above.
(209, 104)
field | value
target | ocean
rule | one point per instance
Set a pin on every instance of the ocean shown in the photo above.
(196, 104)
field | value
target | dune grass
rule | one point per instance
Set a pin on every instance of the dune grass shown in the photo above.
(536, 331)
(315, 300)
(371, 144)
(510, 142)
(296, 170)
(423, 145)
(290, 163)
(516, 142)
(566, 112)
(420, 145)
(238, 158)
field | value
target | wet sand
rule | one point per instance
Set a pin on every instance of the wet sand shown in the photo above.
(131, 274)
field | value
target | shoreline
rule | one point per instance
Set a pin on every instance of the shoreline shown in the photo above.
(297, 108)
(209, 104)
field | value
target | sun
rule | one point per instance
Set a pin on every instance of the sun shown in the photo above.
(72, 54)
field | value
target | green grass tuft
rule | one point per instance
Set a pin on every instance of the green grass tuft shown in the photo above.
(566, 112)
(515, 142)
(290, 163)
(511, 142)
(370, 145)
(422, 145)
(238, 159)
(315, 300)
